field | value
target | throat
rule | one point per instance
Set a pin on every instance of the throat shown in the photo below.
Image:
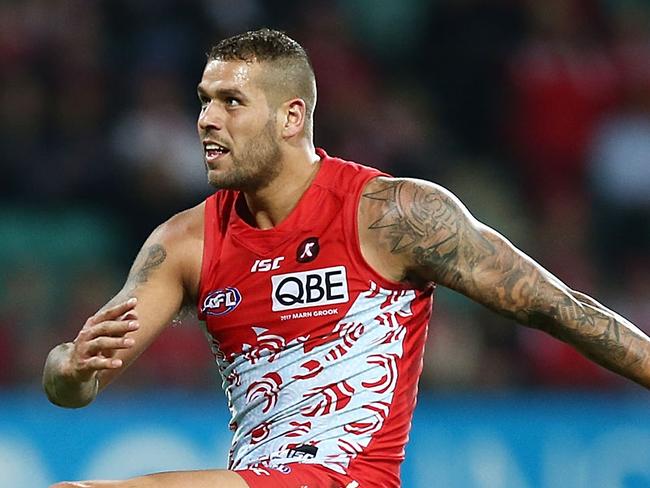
(269, 208)
(260, 215)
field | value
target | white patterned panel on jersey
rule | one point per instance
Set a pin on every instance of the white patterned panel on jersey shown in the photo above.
(332, 392)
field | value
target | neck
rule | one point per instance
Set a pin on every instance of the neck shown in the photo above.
(270, 205)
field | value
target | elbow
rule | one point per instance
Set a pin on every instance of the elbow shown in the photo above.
(557, 317)
(553, 308)
(544, 320)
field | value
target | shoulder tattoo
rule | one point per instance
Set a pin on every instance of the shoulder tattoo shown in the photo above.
(422, 222)
(441, 240)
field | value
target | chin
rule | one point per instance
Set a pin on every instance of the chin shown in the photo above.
(217, 177)
(222, 181)
(219, 183)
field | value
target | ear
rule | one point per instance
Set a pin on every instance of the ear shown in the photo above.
(293, 116)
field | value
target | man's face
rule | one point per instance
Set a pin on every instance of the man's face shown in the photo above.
(237, 127)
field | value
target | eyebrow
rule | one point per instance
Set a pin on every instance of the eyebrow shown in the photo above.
(222, 92)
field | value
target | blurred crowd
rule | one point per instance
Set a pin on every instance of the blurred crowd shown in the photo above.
(535, 113)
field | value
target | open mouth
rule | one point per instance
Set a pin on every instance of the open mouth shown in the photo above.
(214, 151)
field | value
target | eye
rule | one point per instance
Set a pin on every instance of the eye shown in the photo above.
(204, 101)
(232, 102)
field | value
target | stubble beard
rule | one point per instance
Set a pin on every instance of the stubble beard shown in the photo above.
(256, 166)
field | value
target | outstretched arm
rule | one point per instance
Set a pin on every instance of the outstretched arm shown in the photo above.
(161, 277)
(431, 236)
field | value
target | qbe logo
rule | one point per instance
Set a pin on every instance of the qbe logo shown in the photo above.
(313, 288)
(221, 302)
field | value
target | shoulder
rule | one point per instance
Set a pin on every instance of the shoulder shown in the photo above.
(399, 218)
(183, 226)
(346, 176)
(181, 239)
(392, 199)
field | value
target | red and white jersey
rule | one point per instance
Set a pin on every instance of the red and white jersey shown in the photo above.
(320, 356)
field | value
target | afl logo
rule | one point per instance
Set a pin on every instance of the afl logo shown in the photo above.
(221, 302)
(308, 250)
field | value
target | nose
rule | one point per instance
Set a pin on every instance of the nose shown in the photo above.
(211, 117)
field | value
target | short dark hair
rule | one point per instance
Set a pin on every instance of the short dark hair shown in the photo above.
(293, 75)
(260, 45)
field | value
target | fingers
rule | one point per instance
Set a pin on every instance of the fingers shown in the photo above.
(102, 336)
(106, 335)
(110, 328)
(105, 345)
(96, 353)
(115, 312)
(97, 363)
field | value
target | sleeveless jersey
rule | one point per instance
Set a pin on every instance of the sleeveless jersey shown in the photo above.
(319, 355)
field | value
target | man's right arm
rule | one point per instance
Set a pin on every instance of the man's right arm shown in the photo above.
(163, 275)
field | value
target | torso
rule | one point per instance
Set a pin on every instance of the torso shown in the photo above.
(319, 353)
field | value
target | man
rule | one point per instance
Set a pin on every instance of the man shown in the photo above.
(315, 279)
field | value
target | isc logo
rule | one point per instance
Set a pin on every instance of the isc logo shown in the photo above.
(221, 302)
(266, 264)
(313, 288)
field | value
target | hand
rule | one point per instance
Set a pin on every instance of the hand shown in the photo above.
(101, 337)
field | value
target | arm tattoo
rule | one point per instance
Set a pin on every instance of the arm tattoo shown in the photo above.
(156, 255)
(441, 242)
(411, 222)
(429, 227)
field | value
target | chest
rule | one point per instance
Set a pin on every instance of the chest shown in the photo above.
(291, 285)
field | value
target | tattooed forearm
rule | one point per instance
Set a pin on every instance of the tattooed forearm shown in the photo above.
(156, 255)
(439, 241)
(601, 335)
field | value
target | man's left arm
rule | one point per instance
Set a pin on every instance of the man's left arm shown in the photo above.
(436, 239)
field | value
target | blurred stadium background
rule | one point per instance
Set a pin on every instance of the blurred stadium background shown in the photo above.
(536, 113)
